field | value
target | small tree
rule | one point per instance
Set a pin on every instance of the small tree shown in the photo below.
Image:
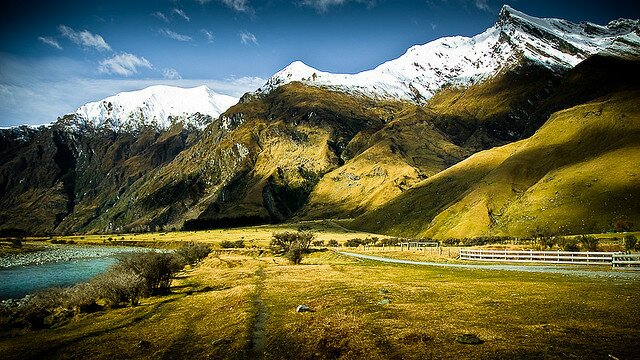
(630, 242)
(293, 245)
(282, 242)
(191, 253)
(543, 237)
(333, 243)
(590, 243)
(157, 269)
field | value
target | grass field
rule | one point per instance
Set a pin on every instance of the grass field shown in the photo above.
(241, 305)
(253, 236)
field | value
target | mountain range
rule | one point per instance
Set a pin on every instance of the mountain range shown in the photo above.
(532, 123)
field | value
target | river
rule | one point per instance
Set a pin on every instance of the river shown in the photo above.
(58, 265)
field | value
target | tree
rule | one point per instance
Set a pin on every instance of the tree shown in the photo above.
(293, 244)
(630, 242)
(590, 243)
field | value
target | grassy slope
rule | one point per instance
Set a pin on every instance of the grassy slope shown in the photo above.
(577, 174)
(421, 142)
(212, 312)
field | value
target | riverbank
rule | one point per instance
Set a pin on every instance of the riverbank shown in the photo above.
(48, 253)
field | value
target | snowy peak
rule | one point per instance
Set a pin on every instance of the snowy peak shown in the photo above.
(460, 61)
(157, 106)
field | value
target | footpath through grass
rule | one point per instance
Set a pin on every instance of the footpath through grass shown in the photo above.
(233, 305)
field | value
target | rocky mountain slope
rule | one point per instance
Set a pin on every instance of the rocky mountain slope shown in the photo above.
(407, 154)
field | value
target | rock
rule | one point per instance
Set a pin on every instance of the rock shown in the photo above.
(143, 344)
(469, 339)
(220, 342)
(302, 308)
(384, 291)
(384, 302)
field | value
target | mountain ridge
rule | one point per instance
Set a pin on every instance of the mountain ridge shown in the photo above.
(460, 61)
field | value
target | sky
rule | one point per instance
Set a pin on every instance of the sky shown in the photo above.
(58, 55)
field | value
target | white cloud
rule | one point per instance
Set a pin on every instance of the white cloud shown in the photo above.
(174, 35)
(324, 5)
(161, 16)
(37, 91)
(84, 38)
(171, 74)
(482, 5)
(207, 35)
(243, 6)
(50, 41)
(182, 14)
(246, 38)
(124, 64)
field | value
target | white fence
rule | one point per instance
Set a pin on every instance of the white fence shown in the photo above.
(557, 257)
(626, 261)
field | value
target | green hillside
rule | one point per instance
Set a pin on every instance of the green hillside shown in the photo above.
(579, 173)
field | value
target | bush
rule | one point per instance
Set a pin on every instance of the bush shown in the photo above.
(282, 242)
(589, 243)
(389, 242)
(226, 244)
(191, 253)
(156, 269)
(451, 242)
(295, 255)
(16, 243)
(318, 243)
(569, 244)
(333, 243)
(355, 242)
(630, 242)
(116, 287)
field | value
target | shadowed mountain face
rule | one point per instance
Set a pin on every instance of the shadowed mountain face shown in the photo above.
(59, 180)
(576, 174)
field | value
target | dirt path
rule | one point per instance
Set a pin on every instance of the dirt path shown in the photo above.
(258, 332)
(554, 269)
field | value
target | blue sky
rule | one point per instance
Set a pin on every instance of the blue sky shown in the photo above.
(58, 55)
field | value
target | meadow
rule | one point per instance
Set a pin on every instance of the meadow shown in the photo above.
(242, 304)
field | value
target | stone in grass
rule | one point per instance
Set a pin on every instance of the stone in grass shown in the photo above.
(143, 344)
(384, 291)
(384, 302)
(469, 339)
(302, 308)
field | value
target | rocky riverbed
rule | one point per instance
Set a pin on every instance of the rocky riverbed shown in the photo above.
(60, 253)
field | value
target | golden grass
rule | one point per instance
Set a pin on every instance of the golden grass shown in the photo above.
(253, 236)
(577, 174)
(212, 313)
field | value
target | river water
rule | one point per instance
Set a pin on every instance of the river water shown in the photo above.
(59, 265)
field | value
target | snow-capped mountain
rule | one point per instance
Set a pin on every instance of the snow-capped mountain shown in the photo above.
(158, 106)
(415, 76)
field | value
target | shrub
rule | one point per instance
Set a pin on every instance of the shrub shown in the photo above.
(156, 269)
(333, 243)
(282, 242)
(226, 244)
(295, 255)
(451, 242)
(569, 244)
(389, 242)
(116, 287)
(17, 243)
(318, 243)
(355, 242)
(191, 253)
(630, 242)
(590, 243)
